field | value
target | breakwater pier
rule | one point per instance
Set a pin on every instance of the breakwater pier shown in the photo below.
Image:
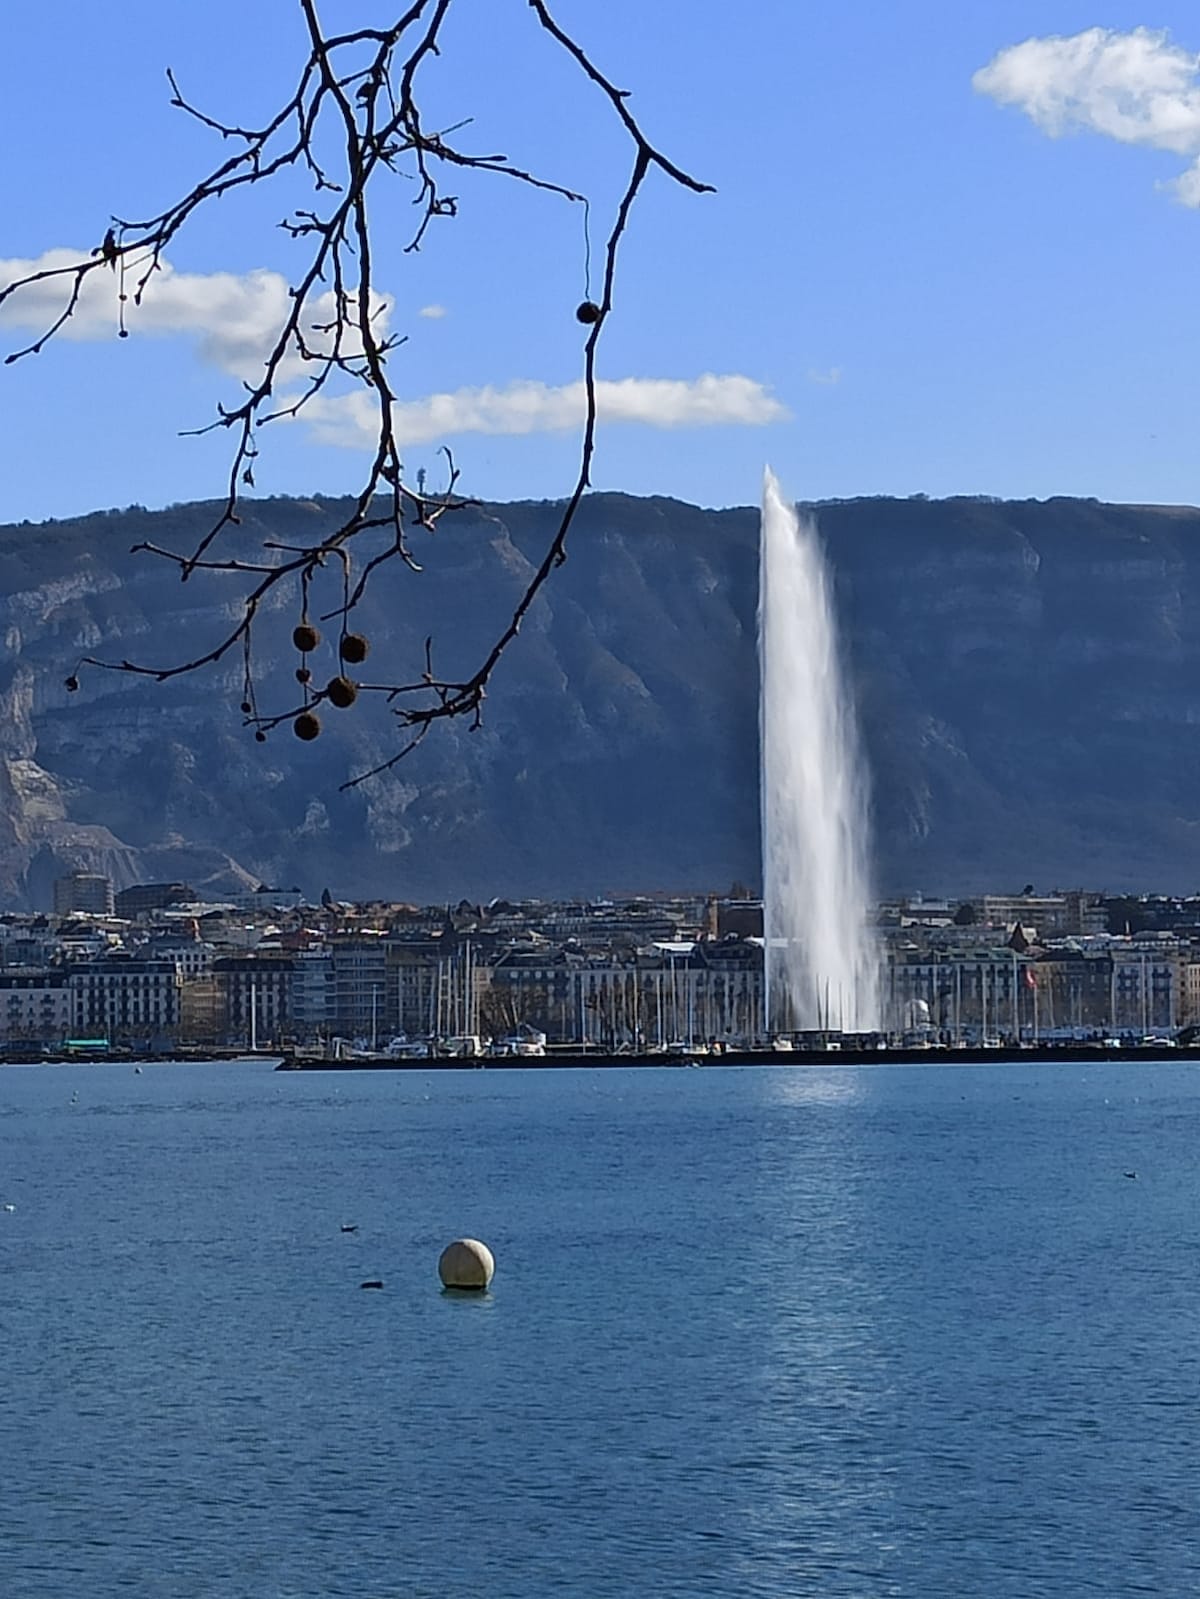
(844, 1055)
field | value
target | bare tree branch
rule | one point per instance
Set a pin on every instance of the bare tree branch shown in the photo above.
(356, 90)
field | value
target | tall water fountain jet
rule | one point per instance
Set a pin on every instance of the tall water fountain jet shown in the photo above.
(821, 963)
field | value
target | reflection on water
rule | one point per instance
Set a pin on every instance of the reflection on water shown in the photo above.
(819, 1371)
(816, 1085)
(851, 1332)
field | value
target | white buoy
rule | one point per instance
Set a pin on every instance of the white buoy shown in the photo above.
(466, 1263)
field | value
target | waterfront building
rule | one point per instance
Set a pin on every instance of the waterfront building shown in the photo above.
(1099, 984)
(977, 992)
(35, 1007)
(310, 994)
(530, 987)
(435, 987)
(123, 998)
(1148, 979)
(362, 1003)
(202, 1011)
(1074, 991)
(256, 997)
(672, 992)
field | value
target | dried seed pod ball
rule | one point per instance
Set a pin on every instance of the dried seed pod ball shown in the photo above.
(303, 675)
(306, 726)
(341, 692)
(466, 1263)
(72, 683)
(246, 707)
(305, 637)
(587, 312)
(260, 736)
(354, 648)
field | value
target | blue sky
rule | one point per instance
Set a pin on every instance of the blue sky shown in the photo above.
(907, 282)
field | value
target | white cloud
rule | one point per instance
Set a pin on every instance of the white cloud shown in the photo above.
(349, 420)
(829, 377)
(1136, 87)
(234, 318)
(433, 312)
(235, 321)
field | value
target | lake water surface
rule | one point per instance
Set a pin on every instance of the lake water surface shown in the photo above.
(904, 1331)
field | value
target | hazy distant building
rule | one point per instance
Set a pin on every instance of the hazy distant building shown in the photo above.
(265, 901)
(1086, 913)
(192, 956)
(89, 893)
(141, 898)
(742, 917)
(25, 950)
(1075, 914)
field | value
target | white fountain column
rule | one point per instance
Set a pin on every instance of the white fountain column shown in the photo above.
(820, 958)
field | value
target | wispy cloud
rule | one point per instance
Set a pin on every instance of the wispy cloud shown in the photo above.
(234, 318)
(1135, 87)
(829, 376)
(434, 312)
(350, 420)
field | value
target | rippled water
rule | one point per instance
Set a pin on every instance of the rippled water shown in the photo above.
(893, 1332)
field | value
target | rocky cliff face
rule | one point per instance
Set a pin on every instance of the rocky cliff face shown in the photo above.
(1026, 674)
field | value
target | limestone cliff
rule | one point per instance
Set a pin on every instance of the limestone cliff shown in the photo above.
(1026, 674)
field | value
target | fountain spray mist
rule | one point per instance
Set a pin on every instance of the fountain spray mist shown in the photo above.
(821, 965)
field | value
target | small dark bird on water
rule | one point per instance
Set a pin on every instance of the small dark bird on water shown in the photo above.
(375, 1284)
(347, 1229)
(1132, 1174)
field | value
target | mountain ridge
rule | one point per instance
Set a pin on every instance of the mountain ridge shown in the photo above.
(1024, 672)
